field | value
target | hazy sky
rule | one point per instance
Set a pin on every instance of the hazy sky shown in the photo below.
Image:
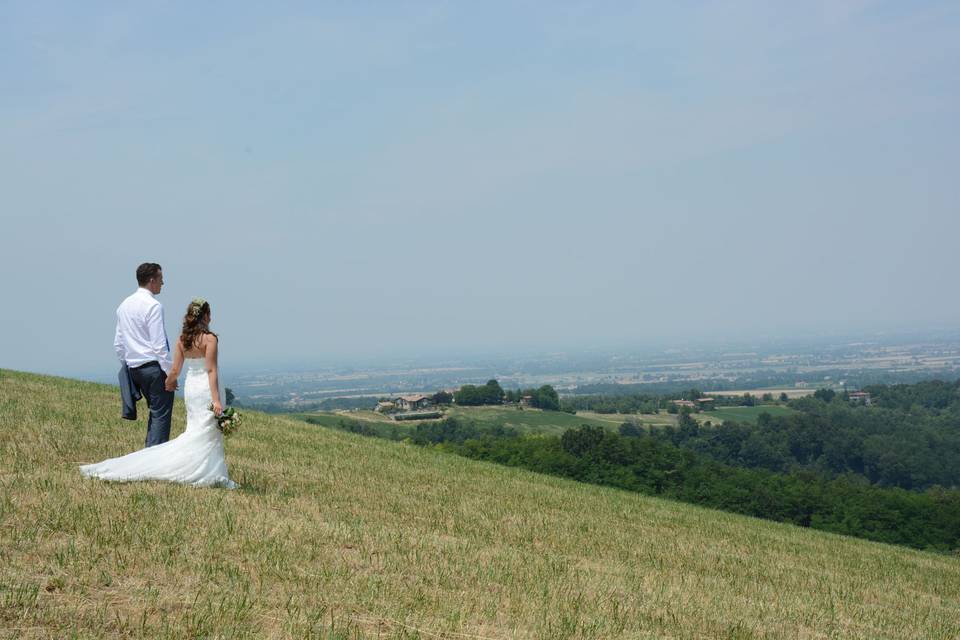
(347, 179)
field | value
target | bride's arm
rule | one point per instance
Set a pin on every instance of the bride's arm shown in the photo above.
(212, 373)
(171, 383)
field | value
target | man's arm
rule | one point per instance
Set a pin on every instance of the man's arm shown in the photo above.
(157, 336)
(171, 383)
(118, 341)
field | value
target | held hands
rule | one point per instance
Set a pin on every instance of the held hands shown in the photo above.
(217, 408)
(171, 383)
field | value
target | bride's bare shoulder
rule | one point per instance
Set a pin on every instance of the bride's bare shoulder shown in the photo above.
(208, 342)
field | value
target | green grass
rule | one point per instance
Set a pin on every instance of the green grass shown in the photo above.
(335, 535)
(742, 414)
(525, 420)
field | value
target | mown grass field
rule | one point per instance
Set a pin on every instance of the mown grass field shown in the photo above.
(335, 535)
(742, 414)
(526, 420)
(614, 420)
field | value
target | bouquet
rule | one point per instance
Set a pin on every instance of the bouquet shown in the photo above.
(228, 421)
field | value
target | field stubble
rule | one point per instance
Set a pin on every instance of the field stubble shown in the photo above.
(333, 535)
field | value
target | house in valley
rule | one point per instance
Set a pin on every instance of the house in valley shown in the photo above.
(859, 397)
(412, 402)
(706, 403)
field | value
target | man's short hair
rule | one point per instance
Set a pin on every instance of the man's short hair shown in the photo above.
(146, 271)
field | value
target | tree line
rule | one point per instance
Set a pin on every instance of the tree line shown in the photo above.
(887, 447)
(652, 403)
(544, 397)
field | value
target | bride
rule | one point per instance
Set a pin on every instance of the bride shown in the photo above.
(196, 456)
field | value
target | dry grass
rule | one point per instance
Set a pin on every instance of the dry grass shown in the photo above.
(339, 536)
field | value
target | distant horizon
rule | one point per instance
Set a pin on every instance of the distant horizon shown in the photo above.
(482, 355)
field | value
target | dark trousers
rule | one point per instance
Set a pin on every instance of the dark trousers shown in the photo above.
(150, 379)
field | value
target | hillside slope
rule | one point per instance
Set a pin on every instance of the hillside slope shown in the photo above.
(336, 535)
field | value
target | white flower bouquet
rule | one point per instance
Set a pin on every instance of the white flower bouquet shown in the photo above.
(229, 420)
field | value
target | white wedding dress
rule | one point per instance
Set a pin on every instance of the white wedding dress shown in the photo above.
(194, 457)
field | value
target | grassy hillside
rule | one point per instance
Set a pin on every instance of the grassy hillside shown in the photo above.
(339, 536)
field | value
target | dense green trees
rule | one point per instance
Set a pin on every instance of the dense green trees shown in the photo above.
(651, 403)
(909, 438)
(471, 395)
(631, 429)
(887, 447)
(934, 397)
(634, 403)
(824, 394)
(442, 397)
(546, 397)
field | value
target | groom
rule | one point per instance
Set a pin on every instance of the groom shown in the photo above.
(141, 344)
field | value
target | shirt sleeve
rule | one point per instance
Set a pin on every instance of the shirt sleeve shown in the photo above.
(118, 342)
(157, 336)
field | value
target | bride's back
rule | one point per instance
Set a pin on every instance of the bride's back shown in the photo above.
(199, 348)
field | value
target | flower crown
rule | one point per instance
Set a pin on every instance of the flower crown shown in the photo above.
(197, 307)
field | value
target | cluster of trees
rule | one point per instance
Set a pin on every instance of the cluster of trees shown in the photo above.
(933, 397)
(886, 447)
(469, 395)
(472, 395)
(546, 397)
(651, 403)
(633, 403)
(846, 504)
(454, 431)
(441, 397)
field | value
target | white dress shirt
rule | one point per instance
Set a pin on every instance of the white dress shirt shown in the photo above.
(141, 336)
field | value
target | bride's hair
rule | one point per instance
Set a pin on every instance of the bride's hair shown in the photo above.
(196, 323)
